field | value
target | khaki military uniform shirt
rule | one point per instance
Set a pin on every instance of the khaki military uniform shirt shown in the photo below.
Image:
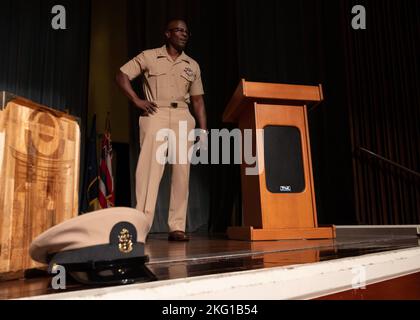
(165, 80)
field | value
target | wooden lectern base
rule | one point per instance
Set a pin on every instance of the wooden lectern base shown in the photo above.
(251, 234)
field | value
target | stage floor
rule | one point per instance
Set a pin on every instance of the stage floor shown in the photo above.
(209, 255)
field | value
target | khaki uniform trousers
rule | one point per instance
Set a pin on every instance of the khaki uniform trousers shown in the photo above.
(149, 170)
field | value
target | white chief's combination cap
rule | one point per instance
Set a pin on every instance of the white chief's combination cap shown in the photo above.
(102, 247)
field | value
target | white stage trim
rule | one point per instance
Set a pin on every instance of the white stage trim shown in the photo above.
(305, 281)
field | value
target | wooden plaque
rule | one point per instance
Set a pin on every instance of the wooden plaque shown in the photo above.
(39, 177)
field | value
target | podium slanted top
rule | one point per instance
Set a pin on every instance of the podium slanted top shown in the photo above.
(249, 92)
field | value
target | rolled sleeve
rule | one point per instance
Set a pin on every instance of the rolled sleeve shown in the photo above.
(134, 67)
(196, 88)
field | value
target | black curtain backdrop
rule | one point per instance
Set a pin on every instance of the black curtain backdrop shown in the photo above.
(370, 78)
(45, 65)
(383, 77)
(371, 87)
(275, 41)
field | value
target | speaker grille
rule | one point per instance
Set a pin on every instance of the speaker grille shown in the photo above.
(283, 159)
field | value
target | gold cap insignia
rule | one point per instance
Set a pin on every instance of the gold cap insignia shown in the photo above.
(125, 243)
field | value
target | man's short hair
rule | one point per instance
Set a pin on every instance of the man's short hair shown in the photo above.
(169, 21)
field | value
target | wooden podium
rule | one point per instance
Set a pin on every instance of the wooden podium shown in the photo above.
(39, 177)
(279, 199)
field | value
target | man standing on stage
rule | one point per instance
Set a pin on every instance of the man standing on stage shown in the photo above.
(171, 80)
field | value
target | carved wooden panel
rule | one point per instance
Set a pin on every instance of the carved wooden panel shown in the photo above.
(39, 177)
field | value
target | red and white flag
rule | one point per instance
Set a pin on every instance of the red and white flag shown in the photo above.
(106, 180)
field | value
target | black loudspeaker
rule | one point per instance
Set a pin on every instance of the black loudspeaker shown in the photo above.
(283, 159)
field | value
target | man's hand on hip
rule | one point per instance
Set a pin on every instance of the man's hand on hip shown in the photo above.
(146, 106)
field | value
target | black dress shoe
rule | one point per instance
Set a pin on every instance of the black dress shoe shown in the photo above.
(178, 236)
